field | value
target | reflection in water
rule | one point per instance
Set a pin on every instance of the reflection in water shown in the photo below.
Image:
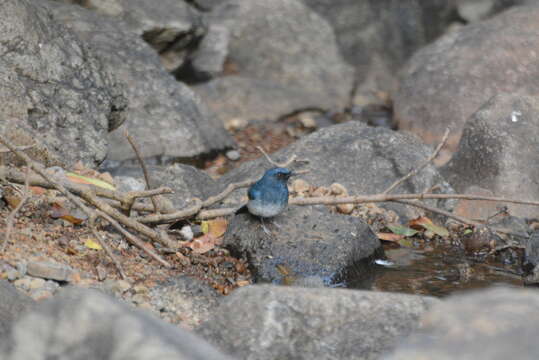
(435, 271)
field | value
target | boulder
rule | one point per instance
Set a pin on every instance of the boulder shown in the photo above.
(53, 91)
(497, 323)
(304, 242)
(498, 151)
(445, 83)
(286, 46)
(85, 324)
(271, 322)
(164, 116)
(13, 304)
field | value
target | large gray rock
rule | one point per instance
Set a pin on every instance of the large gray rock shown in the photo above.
(13, 304)
(287, 46)
(498, 151)
(446, 82)
(84, 324)
(164, 116)
(296, 323)
(475, 10)
(365, 160)
(304, 242)
(53, 89)
(377, 37)
(491, 324)
(170, 26)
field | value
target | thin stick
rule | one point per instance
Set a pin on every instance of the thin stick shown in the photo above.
(20, 148)
(86, 195)
(423, 206)
(11, 217)
(424, 164)
(274, 163)
(155, 199)
(104, 245)
(134, 240)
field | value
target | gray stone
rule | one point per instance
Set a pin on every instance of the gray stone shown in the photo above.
(13, 304)
(53, 90)
(233, 155)
(84, 324)
(50, 270)
(164, 116)
(185, 300)
(498, 151)
(363, 159)
(445, 83)
(285, 46)
(377, 37)
(303, 242)
(475, 10)
(208, 59)
(496, 324)
(273, 322)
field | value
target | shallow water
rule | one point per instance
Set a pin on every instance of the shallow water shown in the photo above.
(436, 271)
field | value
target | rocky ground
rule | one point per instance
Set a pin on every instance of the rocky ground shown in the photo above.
(359, 92)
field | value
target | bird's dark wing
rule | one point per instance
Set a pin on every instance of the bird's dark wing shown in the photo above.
(254, 192)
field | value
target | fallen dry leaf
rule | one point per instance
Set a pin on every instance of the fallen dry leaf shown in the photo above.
(60, 212)
(202, 244)
(427, 224)
(390, 237)
(92, 244)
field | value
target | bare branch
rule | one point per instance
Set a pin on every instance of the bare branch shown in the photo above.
(424, 164)
(20, 148)
(102, 242)
(155, 199)
(274, 163)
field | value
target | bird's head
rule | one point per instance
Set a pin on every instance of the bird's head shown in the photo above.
(279, 174)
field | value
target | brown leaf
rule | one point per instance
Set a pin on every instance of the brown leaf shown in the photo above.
(36, 190)
(202, 244)
(390, 237)
(60, 212)
(241, 283)
(427, 224)
(217, 227)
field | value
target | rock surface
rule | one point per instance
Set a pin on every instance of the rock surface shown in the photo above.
(304, 242)
(297, 323)
(498, 145)
(164, 116)
(490, 324)
(363, 159)
(12, 305)
(287, 47)
(377, 37)
(84, 324)
(53, 91)
(446, 82)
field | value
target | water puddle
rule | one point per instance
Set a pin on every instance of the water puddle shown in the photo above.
(436, 271)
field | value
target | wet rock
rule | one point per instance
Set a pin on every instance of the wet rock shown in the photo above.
(377, 37)
(164, 116)
(184, 300)
(285, 55)
(446, 82)
(299, 323)
(13, 304)
(90, 325)
(307, 241)
(53, 90)
(50, 270)
(363, 159)
(498, 147)
(495, 324)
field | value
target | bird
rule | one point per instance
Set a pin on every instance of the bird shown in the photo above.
(268, 197)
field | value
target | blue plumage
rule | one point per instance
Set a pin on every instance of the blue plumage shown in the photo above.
(268, 197)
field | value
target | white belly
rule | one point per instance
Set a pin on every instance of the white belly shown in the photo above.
(267, 210)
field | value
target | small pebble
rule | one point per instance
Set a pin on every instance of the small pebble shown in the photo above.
(235, 124)
(36, 283)
(50, 270)
(116, 286)
(345, 208)
(321, 191)
(300, 186)
(338, 189)
(307, 120)
(21, 268)
(233, 155)
(101, 272)
(13, 274)
(187, 233)
(141, 289)
(23, 283)
(40, 294)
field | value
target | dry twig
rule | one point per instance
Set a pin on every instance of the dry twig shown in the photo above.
(11, 217)
(155, 198)
(424, 164)
(87, 195)
(103, 243)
